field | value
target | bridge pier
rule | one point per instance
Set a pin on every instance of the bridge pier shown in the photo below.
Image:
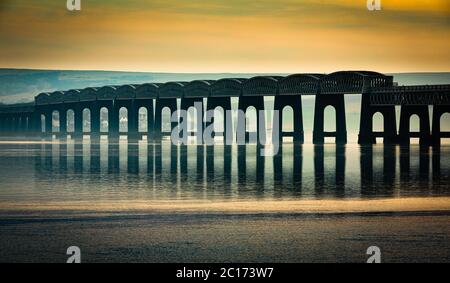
(337, 101)
(132, 124)
(95, 123)
(186, 103)
(62, 135)
(437, 135)
(281, 101)
(366, 133)
(46, 112)
(225, 104)
(2, 123)
(78, 123)
(113, 124)
(404, 134)
(244, 103)
(162, 103)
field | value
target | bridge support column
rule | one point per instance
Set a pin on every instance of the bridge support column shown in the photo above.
(95, 123)
(366, 133)
(78, 123)
(8, 124)
(2, 124)
(35, 124)
(337, 101)
(48, 123)
(186, 103)
(13, 124)
(225, 104)
(423, 112)
(296, 103)
(257, 102)
(113, 121)
(28, 129)
(437, 135)
(62, 123)
(133, 122)
(162, 103)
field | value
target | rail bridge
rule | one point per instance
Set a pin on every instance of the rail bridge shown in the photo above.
(379, 95)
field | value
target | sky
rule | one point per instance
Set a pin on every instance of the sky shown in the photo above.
(278, 36)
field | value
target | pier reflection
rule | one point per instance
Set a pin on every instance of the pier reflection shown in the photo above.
(241, 171)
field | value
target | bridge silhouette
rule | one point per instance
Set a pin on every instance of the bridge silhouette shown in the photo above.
(379, 95)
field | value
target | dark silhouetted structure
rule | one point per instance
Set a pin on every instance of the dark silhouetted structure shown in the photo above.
(128, 106)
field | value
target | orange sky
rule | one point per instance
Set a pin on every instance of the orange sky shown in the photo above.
(226, 35)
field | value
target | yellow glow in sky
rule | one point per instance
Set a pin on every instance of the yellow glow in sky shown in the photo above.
(226, 35)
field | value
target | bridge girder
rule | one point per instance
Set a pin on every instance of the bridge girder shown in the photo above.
(198, 89)
(227, 88)
(299, 84)
(147, 91)
(172, 90)
(261, 86)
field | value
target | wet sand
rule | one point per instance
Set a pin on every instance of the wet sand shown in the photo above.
(406, 230)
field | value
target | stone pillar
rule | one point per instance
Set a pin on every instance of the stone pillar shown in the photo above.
(133, 122)
(366, 133)
(225, 104)
(95, 123)
(2, 124)
(78, 123)
(48, 122)
(36, 123)
(295, 102)
(258, 103)
(406, 113)
(113, 120)
(62, 122)
(337, 101)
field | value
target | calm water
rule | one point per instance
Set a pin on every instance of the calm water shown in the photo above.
(33, 174)
(85, 172)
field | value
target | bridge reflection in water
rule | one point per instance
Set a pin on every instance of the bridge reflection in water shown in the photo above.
(194, 171)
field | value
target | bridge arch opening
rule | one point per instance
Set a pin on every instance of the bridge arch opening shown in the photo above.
(414, 127)
(378, 122)
(288, 119)
(143, 120)
(414, 123)
(219, 119)
(86, 120)
(251, 120)
(104, 120)
(378, 125)
(55, 122)
(445, 122)
(70, 116)
(123, 120)
(43, 119)
(166, 124)
(329, 122)
(329, 119)
(192, 119)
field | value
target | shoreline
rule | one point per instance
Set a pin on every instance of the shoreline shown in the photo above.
(244, 207)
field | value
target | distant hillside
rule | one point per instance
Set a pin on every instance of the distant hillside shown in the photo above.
(22, 85)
